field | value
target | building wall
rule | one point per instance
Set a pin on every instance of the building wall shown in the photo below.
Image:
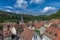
(7, 38)
(13, 30)
(1, 38)
(36, 37)
(42, 29)
(46, 38)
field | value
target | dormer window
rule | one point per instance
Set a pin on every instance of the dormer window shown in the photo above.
(6, 33)
(31, 27)
(0, 34)
(8, 27)
(50, 33)
(9, 32)
(35, 37)
(55, 34)
(46, 31)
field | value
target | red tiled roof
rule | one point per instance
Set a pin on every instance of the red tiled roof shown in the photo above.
(8, 23)
(55, 21)
(39, 24)
(7, 33)
(20, 26)
(27, 34)
(11, 24)
(53, 33)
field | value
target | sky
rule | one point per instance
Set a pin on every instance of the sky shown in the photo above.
(32, 7)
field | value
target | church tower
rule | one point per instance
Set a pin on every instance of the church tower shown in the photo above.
(22, 21)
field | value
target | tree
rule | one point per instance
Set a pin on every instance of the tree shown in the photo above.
(37, 31)
(1, 27)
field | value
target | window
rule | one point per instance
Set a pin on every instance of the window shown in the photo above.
(46, 31)
(13, 36)
(46, 38)
(50, 33)
(6, 33)
(26, 39)
(0, 34)
(9, 32)
(8, 27)
(35, 37)
(55, 34)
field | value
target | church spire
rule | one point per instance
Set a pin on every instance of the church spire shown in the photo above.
(22, 21)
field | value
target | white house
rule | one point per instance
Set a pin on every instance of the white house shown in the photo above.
(51, 33)
(42, 29)
(13, 30)
(46, 38)
(36, 37)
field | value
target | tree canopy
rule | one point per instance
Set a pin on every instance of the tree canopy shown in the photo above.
(13, 17)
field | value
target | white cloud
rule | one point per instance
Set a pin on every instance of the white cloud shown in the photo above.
(8, 10)
(21, 4)
(49, 10)
(36, 1)
(8, 7)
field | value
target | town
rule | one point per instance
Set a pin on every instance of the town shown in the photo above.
(38, 30)
(29, 20)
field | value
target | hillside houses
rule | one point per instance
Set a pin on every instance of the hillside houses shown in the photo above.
(29, 31)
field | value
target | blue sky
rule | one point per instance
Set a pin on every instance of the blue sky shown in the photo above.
(33, 7)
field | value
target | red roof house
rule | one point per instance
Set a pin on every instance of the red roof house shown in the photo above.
(52, 33)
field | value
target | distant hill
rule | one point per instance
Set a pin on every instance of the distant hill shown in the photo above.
(54, 16)
(7, 16)
(13, 17)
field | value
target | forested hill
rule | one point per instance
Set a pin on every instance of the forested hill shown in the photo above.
(13, 17)
(54, 16)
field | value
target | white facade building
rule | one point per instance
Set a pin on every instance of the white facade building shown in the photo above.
(36, 37)
(13, 30)
(46, 38)
(42, 29)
